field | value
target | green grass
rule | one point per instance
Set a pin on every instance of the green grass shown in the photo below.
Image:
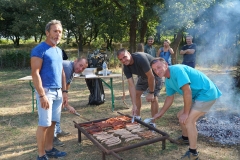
(18, 125)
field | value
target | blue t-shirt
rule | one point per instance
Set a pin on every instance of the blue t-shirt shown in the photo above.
(203, 89)
(51, 71)
(189, 57)
(166, 56)
(68, 69)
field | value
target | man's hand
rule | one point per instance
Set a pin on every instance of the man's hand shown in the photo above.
(44, 102)
(157, 116)
(71, 109)
(65, 99)
(150, 98)
(183, 118)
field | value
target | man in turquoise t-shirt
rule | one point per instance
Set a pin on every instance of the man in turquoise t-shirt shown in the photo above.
(199, 94)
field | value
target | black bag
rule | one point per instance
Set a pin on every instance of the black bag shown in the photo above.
(97, 95)
(64, 55)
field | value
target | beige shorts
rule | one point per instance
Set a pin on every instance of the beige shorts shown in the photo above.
(202, 106)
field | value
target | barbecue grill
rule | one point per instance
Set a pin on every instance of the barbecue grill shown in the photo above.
(123, 146)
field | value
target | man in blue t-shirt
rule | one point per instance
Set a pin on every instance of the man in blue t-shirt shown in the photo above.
(199, 94)
(139, 64)
(70, 67)
(50, 85)
(189, 52)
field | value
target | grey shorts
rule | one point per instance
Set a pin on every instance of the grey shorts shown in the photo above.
(142, 85)
(202, 106)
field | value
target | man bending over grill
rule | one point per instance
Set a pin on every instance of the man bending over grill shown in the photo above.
(199, 94)
(69, 67)
(139, 63)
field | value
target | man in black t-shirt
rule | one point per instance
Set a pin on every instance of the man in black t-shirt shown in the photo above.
(189, 52)
(139, 64)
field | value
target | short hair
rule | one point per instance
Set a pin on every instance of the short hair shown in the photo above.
(79, 59)
(189, 36)
(140, 47)
(120, 51)
(150, 38)
(168, 41)
(52, 22)
(157, 59)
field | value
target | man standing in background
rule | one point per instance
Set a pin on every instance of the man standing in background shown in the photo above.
(50, 85)
(149, 48)
(189, 52)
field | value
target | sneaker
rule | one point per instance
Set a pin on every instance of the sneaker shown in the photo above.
(54, 153)
(57, 142)
(153, 125)
(180, 140)
(138, 117)
(190, 156)
(63, 133)
(44, 157)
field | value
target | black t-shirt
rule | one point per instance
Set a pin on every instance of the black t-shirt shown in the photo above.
(140, 66)
(189, 57)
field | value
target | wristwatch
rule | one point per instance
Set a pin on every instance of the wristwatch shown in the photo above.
(66, 91)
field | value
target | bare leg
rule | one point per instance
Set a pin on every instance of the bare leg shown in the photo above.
(49, 137)
(41, 136)
(191, 129)
(183, 127)
(154, 107)
(138, 101)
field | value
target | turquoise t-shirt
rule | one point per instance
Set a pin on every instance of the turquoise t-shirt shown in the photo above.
(203, 89)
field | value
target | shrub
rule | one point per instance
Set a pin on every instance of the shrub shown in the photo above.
(15, 59)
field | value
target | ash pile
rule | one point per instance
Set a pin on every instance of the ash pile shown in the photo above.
(221, 129)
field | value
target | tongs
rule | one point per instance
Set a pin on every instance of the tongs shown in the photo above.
(133, 120)
(77, 114)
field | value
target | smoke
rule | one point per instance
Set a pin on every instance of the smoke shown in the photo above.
(215, 26)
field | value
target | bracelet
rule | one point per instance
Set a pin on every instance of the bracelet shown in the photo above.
(150, 92)
(66, 91)
(41, 96)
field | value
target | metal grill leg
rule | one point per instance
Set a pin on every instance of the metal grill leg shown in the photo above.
(163, 144)
(79, 136)
(103, 156)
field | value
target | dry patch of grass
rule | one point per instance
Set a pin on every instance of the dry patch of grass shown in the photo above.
(18, 125)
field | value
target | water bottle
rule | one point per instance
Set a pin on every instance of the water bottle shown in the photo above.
(104, 68)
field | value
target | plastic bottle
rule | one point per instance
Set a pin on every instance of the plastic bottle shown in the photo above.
(104, 68)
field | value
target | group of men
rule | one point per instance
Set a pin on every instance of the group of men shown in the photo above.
(52, 77)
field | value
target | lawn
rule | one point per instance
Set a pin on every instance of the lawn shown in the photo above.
(18, 124)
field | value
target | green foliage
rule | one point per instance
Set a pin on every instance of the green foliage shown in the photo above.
(15, 59)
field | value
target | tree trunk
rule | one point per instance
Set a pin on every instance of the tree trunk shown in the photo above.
(133, 26)
(175, 44)
(143, 30)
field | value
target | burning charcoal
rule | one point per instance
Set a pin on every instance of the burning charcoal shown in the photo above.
(220, 130)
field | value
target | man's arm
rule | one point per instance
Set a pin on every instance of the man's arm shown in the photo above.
(167, 103)
(36, 65)
(65, 97)
(187, 51)
(187, 99)
(132, 91)
(151, 85)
